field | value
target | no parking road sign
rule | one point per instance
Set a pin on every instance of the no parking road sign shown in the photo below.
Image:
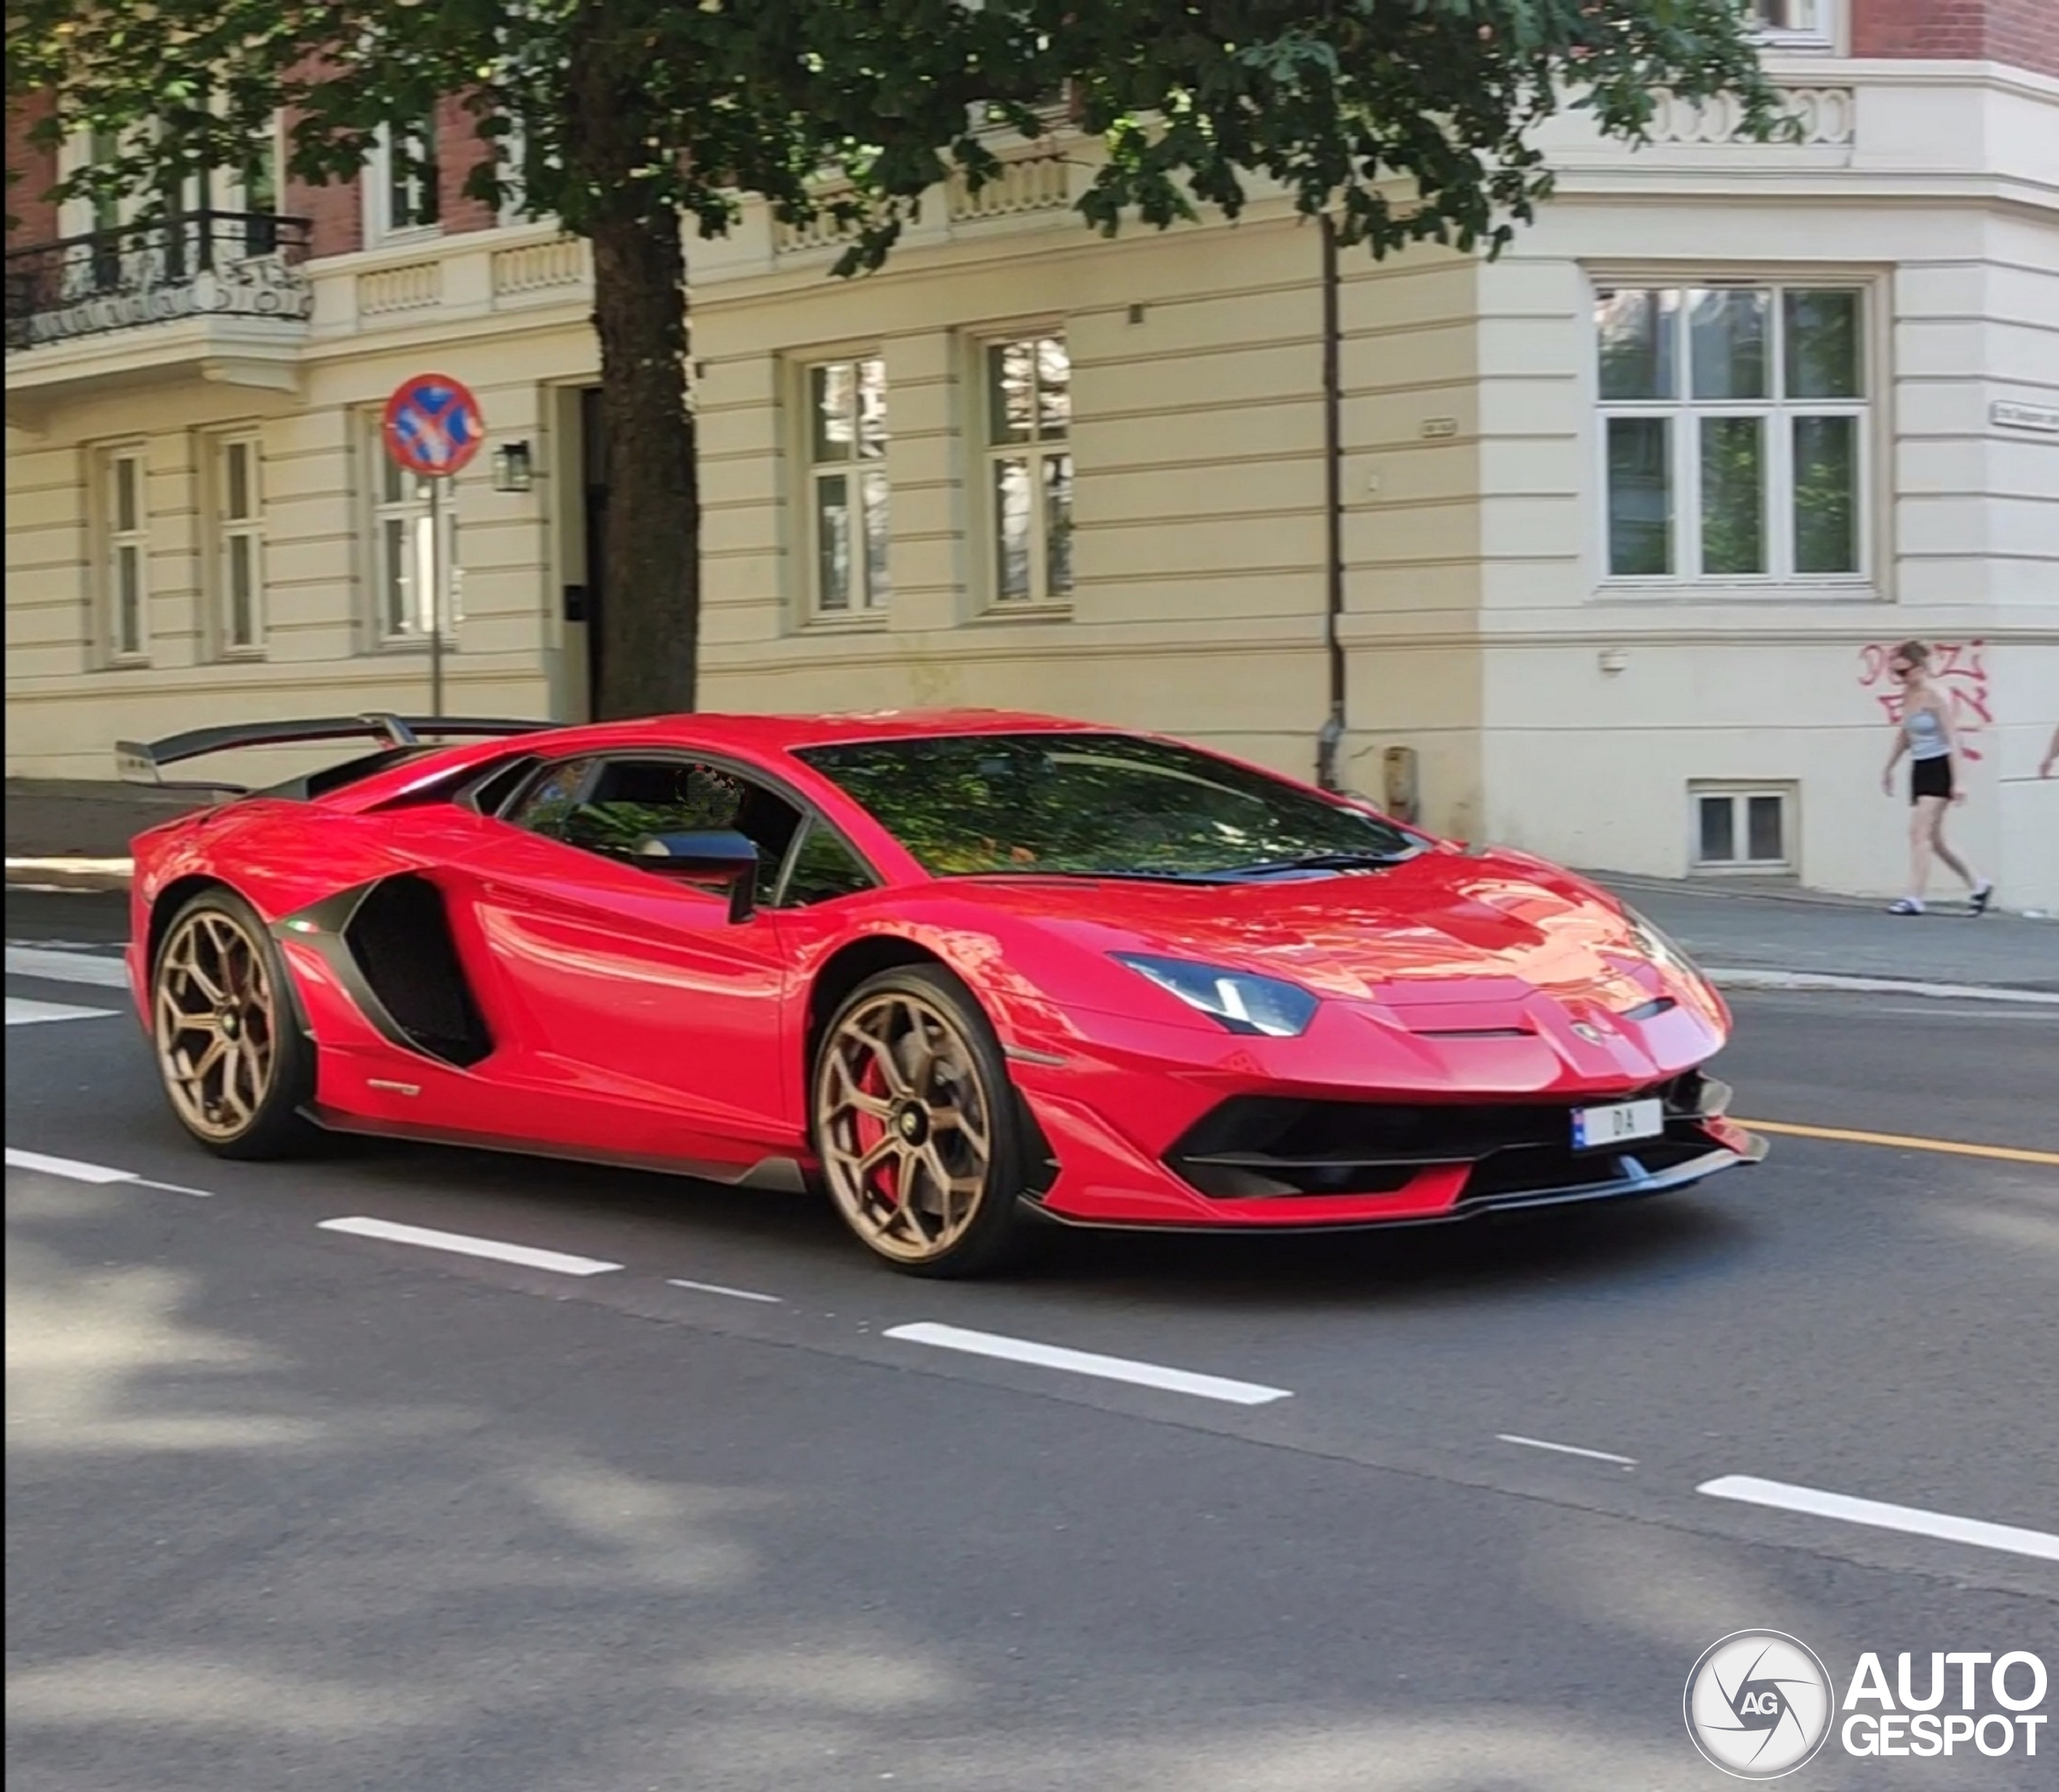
(434, 426)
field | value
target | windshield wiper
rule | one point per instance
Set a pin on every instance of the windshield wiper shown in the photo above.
(1317, 861)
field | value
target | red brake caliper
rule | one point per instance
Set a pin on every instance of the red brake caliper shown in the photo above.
(886, 1176)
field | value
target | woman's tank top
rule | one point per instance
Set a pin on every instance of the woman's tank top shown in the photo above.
(1926, 733)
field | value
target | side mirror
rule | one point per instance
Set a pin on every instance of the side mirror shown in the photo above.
(715, 855)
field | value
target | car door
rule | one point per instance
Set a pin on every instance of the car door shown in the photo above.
(642, 1021)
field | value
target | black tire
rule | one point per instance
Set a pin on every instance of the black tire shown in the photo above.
(216, 940)
(993, 1234)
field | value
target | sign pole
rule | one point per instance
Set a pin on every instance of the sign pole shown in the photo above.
(435, 596)
(432, 428)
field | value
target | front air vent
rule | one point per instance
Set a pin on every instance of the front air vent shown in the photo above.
(1473, 1032)
(1650, 1010)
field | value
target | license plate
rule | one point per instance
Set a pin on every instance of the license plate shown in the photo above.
(1617, 1124)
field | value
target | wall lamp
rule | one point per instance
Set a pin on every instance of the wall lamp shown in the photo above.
(512, 468)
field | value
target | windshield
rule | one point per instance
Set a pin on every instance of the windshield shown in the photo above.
(1109, 805)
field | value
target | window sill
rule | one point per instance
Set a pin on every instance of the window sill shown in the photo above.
(1045, 612)
(1764, 868)
(408, 236)
(1793, 43)
(125, 663)
(411, 643)
(857, 621)
(1674, 591)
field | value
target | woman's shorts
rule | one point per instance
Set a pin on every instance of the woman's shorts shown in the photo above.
(1930, 777)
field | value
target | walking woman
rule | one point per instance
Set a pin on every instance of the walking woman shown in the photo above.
(1924, 734)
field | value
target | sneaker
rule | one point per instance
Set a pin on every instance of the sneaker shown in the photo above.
(1984, 893)
(1905, 905)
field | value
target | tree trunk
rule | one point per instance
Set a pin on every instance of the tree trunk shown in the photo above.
(650, 611)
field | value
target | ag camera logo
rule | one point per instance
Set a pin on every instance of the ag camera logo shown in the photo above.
(1759, 1704)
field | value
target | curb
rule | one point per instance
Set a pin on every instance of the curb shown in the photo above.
(69, 873)
(1831, 981)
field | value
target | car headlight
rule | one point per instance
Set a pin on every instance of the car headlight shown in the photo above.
(1240, 1001)
(1659, 947)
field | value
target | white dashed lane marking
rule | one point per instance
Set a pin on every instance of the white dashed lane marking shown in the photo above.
(23, 1012)
(1566, 1449)
(462, 1244)
(1816, 1503)
(102, 972)
(69, 1168)
(729, 1293)
(1086, 1362)
(73, 1170)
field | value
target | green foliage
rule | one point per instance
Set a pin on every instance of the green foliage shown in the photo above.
(1407, 118)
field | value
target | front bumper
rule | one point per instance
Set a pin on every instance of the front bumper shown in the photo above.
(1247, 1155)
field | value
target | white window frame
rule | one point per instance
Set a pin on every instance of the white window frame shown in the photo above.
(121, 646)
(870, 593)
(267, 153)
(1038, 448)
(1821, 30)
(1683, 412)
(228, 531)
(1738, 794)
(395, 497)
(381, 170)
(512, 151)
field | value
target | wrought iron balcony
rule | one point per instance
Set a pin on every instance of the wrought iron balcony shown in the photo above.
(194, 264)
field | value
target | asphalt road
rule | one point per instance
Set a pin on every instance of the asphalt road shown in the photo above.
(293, 1506)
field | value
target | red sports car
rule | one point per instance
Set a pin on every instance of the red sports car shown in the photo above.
(961, 970)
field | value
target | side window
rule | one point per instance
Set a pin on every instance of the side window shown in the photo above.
(489, 795)
(824, 866)
(607, 807)
(632, 798)
(544, 807)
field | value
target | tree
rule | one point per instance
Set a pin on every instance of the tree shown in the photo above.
(621, 116)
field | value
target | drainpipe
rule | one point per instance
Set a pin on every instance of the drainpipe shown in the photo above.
(1330, 740)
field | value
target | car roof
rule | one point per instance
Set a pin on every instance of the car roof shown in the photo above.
(762, 738)
(764, 733)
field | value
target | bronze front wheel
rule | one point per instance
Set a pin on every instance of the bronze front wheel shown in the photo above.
(913, 1121)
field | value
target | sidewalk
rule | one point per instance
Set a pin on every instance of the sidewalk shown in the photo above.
(76, 836)
(1799, 933)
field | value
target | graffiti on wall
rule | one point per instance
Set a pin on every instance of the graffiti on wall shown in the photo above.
(1959, 671)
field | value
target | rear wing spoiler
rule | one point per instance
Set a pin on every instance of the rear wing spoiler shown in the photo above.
(143, 763)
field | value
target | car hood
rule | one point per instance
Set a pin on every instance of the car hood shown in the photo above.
(1444, 927)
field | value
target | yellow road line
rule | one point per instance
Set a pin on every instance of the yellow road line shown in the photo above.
(2010, 1154)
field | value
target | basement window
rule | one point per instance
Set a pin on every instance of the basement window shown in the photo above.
(1741, 827)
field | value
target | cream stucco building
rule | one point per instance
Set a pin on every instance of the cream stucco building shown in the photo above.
(1627, 517)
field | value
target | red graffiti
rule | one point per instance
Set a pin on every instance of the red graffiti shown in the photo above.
(1959, 671)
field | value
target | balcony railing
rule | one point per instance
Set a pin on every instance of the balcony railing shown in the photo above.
(194, 264)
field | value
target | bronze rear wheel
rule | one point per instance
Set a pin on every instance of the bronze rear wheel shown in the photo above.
(233, 1065)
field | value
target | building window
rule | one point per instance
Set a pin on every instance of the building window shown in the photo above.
(238, 546)
(1734, 433)
(409, 563)
(125, 554)
(1028, 483)
(1740, 828)
(401, 188)
(847, 486)
(1794, 21)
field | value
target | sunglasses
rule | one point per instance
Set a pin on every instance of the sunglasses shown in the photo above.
(1900, 671)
